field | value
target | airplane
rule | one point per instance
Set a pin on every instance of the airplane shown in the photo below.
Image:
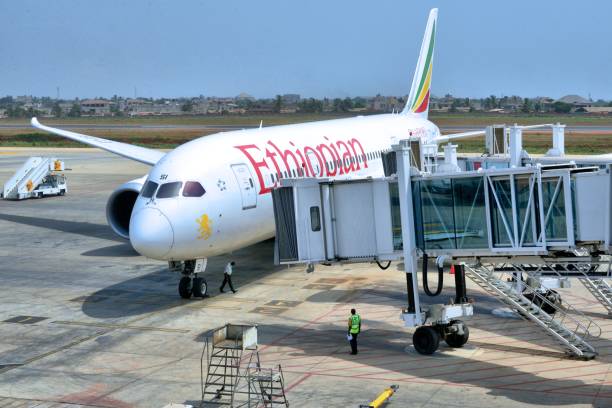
(212, 195)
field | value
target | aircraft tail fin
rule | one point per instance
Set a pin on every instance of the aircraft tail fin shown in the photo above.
(418, 100)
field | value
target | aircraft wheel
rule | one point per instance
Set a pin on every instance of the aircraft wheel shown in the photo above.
(185, 287)
(455, 339)
(200, 287)
(426, 340)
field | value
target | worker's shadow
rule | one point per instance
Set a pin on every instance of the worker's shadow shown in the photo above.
(387, 348)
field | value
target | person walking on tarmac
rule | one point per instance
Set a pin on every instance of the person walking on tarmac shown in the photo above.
(227, 277)
(354, 327)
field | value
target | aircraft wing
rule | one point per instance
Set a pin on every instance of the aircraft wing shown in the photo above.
(137, 153)
(454, 136)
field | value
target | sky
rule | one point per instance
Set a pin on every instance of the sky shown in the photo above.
(313, 48)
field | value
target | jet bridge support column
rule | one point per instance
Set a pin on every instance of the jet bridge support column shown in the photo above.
(460, 288)
(408, 239)
(443, 318)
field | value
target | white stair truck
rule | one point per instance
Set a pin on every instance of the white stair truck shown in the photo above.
(36, 178)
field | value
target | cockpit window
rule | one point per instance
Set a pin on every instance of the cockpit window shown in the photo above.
(193, 189)
(149, 189)
(169, 190)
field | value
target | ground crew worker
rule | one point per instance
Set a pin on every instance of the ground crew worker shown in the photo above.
(354, 327)
(227, 277)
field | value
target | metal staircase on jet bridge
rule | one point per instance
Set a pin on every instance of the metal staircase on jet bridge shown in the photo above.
(600, 289)
(555, 325)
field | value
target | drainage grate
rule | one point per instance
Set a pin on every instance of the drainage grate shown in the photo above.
(284, 303)
(269, 310)
(332, 280)
(320, 286)
(25, 319)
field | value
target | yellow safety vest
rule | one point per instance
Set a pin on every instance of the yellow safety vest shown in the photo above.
(355, 320)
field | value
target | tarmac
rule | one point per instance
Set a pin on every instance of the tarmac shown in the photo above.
(86, 321)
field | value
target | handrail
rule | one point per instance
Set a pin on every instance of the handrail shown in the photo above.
(584, 328)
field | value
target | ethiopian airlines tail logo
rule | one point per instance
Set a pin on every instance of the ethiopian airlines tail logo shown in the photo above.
(204, 227)
(421, 99)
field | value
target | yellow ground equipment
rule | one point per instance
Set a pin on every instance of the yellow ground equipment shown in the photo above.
(382, 397)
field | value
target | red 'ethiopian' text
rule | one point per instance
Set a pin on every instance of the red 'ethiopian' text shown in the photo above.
(327, 159)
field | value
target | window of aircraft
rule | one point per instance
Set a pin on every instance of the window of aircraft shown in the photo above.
(149, 189)
(193, 189)
(169, 190)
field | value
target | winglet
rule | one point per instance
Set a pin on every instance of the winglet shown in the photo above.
(418, 100)
(34, 122)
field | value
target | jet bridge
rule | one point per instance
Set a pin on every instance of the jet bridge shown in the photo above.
(526, 211)
(479, 220)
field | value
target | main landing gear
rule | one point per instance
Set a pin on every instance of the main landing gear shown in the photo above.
(190, 284)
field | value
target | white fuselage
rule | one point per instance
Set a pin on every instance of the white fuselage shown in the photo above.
(237, 169)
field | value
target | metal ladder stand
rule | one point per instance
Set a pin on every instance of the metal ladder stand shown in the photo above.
(230, 381)
(271, 384)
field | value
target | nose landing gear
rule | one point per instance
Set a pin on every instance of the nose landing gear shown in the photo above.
(190, 284)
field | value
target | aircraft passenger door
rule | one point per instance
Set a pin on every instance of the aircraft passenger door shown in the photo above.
(246, 183)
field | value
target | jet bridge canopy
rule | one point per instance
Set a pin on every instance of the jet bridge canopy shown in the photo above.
(494, 212)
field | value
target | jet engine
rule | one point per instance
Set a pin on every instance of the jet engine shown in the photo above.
(120, 204)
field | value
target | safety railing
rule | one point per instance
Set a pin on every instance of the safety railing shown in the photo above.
(564, 314)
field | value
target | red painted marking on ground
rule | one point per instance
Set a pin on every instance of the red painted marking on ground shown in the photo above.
(298, 382)
(94, 395)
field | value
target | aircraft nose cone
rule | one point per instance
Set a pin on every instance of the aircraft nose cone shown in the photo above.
(151, 233)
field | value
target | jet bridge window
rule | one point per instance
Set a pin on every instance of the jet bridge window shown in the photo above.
(193, 189)
(315, 219)
(169, 190)
(450, 214)
(149, 189)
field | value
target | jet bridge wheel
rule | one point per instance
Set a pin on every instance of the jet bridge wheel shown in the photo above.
(185, 287)
(452, 336)
(426, 340)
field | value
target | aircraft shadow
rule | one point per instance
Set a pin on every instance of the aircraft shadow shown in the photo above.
(113, 251)
(157, 291)
(74, 227)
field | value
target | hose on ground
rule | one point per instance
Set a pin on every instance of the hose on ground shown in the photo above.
(426, 283)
